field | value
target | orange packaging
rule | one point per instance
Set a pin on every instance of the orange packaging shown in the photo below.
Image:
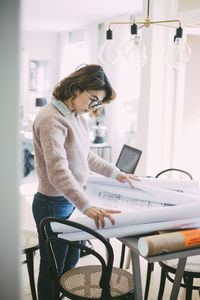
(192, 237)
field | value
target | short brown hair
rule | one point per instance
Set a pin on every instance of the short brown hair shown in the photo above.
(89, 77)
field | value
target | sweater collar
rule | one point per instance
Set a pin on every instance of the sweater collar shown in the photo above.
(62, 107)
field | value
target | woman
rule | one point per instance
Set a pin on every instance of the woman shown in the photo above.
(63, 159)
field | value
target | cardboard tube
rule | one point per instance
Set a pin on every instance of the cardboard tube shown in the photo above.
(169, 242)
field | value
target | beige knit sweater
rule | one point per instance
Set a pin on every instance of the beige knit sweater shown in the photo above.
(62, 155)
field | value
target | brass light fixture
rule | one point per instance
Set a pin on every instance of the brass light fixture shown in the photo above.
(134, 49)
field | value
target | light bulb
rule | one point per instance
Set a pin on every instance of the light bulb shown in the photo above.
(108, 53)
(179, 53)
(134, 50)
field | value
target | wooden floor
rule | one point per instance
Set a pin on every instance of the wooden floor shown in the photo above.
(28, 187)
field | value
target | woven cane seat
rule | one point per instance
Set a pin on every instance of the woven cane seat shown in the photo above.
(84, 281)
(192, 264)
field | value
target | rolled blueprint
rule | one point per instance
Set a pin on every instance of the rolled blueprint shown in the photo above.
(169, 242)
(139, 216)
(166, 192)
(137, 229)
(185, 186)
(175, 210)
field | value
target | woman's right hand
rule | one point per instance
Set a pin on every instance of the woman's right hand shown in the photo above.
(98, 214)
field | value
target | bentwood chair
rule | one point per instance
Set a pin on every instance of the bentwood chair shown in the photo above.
(100, 282)
(30, 245)
(192, 268)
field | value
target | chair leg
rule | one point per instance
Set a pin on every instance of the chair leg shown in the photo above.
(30, 267)
(150, 268)
(128, 261)
(162, 284)
(189, 284)
(131, 297)
(122, 256)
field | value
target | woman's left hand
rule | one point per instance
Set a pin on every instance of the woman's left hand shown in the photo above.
(123, 177)
(98, 214)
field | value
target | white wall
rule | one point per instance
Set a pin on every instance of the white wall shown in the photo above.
(41, 47)
(185, 5)
(191, 116)
(10, 253)
(73, 51)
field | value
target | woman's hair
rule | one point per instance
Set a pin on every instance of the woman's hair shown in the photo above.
(89, 77)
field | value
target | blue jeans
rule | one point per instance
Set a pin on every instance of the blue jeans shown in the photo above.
(67, 256)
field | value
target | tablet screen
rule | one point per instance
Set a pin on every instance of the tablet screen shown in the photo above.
(128, 159)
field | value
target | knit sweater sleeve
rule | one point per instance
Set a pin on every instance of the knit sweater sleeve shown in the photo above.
(51, 135)
(100, 165)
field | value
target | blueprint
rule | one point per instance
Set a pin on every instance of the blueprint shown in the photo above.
(151, 205)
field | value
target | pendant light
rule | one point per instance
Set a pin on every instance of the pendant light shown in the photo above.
(134, 49)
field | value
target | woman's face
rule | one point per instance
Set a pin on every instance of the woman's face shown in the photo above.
(83, 99)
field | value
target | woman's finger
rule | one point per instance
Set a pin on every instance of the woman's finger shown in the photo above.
(96, 220)
(98, 214)
(134, 177)
(101, 219)
(113, 211)
(107, 215)
(130, 182)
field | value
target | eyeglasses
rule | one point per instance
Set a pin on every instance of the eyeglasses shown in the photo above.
(95, 103)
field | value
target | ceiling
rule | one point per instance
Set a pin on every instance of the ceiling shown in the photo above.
(68, 15)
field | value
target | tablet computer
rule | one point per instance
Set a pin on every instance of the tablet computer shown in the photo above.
(128, 159)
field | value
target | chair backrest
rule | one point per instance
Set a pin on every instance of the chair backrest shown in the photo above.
(171, 171)
(50, 240)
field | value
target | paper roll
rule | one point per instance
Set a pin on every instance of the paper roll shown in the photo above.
(168, 242)
(139, 216)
